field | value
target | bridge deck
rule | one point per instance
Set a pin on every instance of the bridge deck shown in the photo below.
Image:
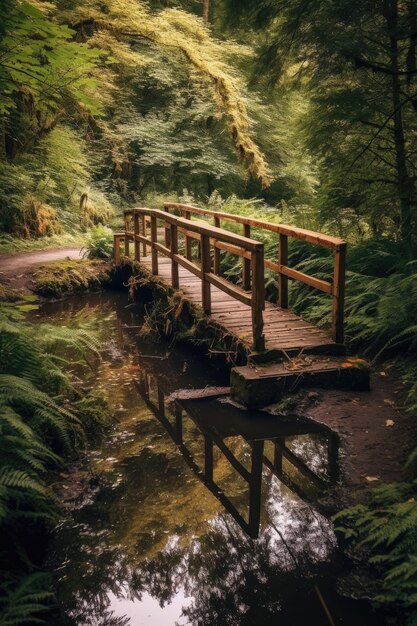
(283, 329)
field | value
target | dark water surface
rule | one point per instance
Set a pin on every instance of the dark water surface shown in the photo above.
(146, 543)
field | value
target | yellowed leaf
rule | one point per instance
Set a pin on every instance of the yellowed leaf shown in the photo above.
(389, 422)
(371, 479)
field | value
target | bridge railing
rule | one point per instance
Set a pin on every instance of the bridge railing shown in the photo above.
(141, 227)
(335, 288)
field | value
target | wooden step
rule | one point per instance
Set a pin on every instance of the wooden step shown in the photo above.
(257, 385)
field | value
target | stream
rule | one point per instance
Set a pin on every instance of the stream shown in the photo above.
(144, 541)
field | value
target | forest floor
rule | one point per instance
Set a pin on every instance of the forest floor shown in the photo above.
(17, 269)
(376, 433)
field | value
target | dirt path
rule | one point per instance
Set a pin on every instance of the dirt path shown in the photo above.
(376, 433)
(17, 269)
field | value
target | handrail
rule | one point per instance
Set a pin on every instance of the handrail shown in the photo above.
(335, 288)
(303, 234)
(207, 236)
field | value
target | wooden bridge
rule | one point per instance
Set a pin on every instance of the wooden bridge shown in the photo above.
(186, 253)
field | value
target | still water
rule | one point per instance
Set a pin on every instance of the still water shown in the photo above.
(145, 542)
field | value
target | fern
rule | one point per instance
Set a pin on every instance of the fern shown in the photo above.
(37, 426)
(26, 602)
(387, 528)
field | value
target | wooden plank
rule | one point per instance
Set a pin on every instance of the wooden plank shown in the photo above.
(144, 233)
(218, 245)
(154, 239)
(290, 231)
(174, 251)
(288, 272)
(203, 228)
(191, 267)
(339, 294)
(229, 288)
(188, 249)
(116, 248)
(282, 279)
(216, 264)
(258, 299)
(246, 262)
(205, 273)
(135, 239)
(163, 249)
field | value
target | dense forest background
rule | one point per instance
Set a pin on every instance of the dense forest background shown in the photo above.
(300, 111)
(311, 108)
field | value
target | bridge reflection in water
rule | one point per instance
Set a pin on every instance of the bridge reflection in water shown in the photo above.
(217, 419)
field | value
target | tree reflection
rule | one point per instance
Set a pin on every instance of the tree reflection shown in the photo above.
(149, 526)
(231, 578)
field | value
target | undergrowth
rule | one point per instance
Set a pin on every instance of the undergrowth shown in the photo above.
(44, 419)
(380, 323)
(70, 276)
(99, 243)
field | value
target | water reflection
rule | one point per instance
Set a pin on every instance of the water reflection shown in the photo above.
(146, 542)
(219, 421)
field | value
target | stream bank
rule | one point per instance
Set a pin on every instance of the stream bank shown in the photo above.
(144, 542)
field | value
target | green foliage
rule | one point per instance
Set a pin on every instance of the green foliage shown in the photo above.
(38, 427)
(381, 296)
(99, 243)
(41, 63)
(387, 529)
(69, 152)
(26, 603)
(354, 65)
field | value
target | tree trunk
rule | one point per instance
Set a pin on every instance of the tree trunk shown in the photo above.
(405, 183)
(206, 10)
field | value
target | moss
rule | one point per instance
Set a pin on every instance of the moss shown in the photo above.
(170, 314)
(71, 276)
(7, 294)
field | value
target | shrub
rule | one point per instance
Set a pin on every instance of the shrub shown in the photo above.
(99, 243)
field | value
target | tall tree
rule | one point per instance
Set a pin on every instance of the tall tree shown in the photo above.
(356, 62)
(206, 10)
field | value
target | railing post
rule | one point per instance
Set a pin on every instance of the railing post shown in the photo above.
(144, 249)
(154, 240)
(188, 249)
(339, 279)
(205, 269)
(258, 299)
(126, 235)
(116, 249)
(137, 243)
(167, 230)
(174, 250)
(246, 262)
(283, 280)
(216, 268)
(255, 487)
